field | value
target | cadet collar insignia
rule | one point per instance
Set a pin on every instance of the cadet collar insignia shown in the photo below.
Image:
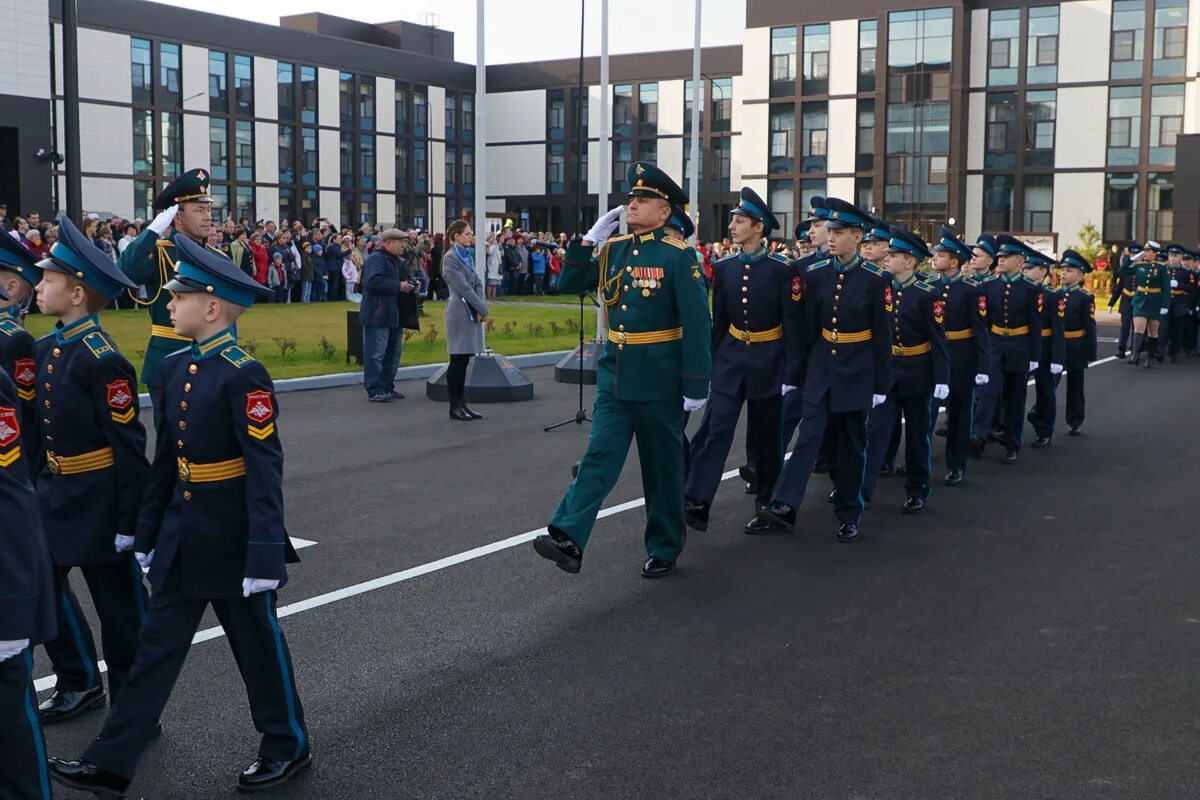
(260, 408)
(77, 329)
(9, 312)
(851, 264)
(817, 265)
(236, 356)
(119, 396)
(10, 431)
(957, 276)
(754, 255)
(906, 283)
(209, 347)
(874, 269)
(99, 344)
(10, 327)
(780, 258)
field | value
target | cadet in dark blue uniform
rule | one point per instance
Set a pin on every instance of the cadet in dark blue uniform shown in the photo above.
(1053, 353)
(983, 258)
(920, 370)
(1014, 306)
(846, 372)
(92, 473)
(968, 342)
(26, 608)
(212, 532)
(1184, 286)
(19, 273)
(756, 307)
(1122, 293)
(874, 249)
(1079, 332)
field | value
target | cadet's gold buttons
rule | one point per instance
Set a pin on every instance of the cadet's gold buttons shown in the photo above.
(50, 368)
(193, 369)
(187, 495)
(183, 405)
(187, 387)
(46, 403)
(180, 443)
(624, 308)
(182, 425)
(48, 387)
(57, 351)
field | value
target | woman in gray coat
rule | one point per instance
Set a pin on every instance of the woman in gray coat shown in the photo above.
(465, 312)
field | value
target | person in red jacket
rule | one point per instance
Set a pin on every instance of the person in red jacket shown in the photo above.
(262, 259)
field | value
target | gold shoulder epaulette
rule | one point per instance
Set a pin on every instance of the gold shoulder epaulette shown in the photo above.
(620, 238)
(236, 356)
(678, 244)
(780, 258)
(925, 285)
(10, 327)
(873, 269)
(99, 344)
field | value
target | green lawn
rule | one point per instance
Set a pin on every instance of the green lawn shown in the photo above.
(566, 299)
(307, 324)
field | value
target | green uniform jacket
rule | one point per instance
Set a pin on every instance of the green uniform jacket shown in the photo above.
(150, 261)
(652, 284)
(1151, 290)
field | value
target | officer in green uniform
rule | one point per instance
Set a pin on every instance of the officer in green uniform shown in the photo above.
(656, 356)
(150, 260)
(1151, 300)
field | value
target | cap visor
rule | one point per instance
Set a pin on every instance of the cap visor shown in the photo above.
(178, 286)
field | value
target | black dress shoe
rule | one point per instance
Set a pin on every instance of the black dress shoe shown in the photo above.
(457, 412)
(833, 496)
(559, 549)
(887, 469)
(265, 773)
(1121, 354)
(1074, 431)
(747, 473)
(781, 514)
(471, 412)
(657, 568)
(954, 477)
(901, 470)
(821, 467)
(1041, 443)
(848, 532)
(977, 447)
(913, 505)
(761, 525)
(1009, 457)
(696, 513)
(995, 436)
(87, 777)
(751, 488)
(64, 705)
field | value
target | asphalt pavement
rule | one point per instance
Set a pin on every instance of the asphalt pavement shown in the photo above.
(1032, 635)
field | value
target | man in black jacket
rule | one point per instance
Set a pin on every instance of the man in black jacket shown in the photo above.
(385, 281)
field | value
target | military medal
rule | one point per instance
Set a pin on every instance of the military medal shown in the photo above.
(645, 292)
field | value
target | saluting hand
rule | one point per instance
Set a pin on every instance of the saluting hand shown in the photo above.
(981, 379)
(878, 400)
(163, 221)
(256, 585)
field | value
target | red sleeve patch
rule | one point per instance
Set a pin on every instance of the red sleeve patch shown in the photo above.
(939, 309)
(10, 427)
(982, 306)
(887, 298)
(24, 371)
(797, 284)
(259, 407)
(119, 395)
(1062, 306)
(1041, 301)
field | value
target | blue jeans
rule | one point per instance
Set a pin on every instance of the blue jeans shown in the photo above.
(305, 291)
(319, 287)
(381, 358)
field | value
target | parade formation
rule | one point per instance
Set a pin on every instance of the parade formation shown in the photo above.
(830, 355)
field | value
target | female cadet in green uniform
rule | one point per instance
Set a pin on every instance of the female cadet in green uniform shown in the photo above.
(1151, 301)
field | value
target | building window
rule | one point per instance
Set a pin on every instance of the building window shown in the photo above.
(285, 80)
(556, 169)
(1000, 139)
(401, 111)
(346, 159)
(783, 62)
(721, 104)
(814, 120)
(864, 194)
(468, 117)
(1120, 206)
(621, 159)
(782, 197)
(868, 42)
(782, 146)
(172, 144)
(219, 208)
(816, 59)
(864, 156)
(1004, 30)
(143, 142)
(309, 163)
(243, 84)
(308, 94)
(1128, 34)
(366, 102)
(401, 167)
(580, 112)
(169, 75)
(1124, 125)
(420, 175)
(1170, 38)
(366, 208)
(1041, 60)
(451, 117)
(687, 167)
(244, 149)
(722, 158)
(309, 204)
(648, 150)
(451, 170)
(809, 189)
(287, 154)
(218, 148)
(245, 203)
(468, 170)
(648, 109)
(688, 92)
(1040, 113)
(143, 198)
(622, 109)
(366, 161)
(1166, 122)
(1160, 206)
(347, 208)
(1038, 204)
(346, 100)
(287, 203)
(218, 82)
(139, 70)
(556, 116)
(997, 202)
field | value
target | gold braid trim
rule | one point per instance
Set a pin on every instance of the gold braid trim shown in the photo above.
(165, 265)
(612, 284)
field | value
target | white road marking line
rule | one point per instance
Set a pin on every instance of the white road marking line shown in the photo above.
(46, 683)
(300, 544)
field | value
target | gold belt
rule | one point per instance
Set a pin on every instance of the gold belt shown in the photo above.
(85, 462)
(167, 332)
(207, 473)
(842, 337)
(644, 337)
(1021, 331)
(1074, 334)
(1148, 290)
(965, 333)
(1127, 292)
(914, 350)
(1178, 292)
(769, 335)
(1046, 332)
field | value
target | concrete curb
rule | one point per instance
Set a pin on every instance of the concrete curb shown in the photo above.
(420, 372)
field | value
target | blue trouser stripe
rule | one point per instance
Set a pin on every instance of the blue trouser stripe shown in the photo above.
(138, 590)
(77, 636)
(287, 678)
(39, 744)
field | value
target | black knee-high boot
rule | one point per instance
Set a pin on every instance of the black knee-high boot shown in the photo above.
(1135, 350)
(1151, 350)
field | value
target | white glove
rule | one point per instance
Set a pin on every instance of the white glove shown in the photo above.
(163, 221)
(981, 379)
(1056, 369)
(877, 399)
(1174, 283)
(941, 391)
(255, 585)
(693, 405)
(12, 647)
(144, 559)
(123, 543)
(787, 388)
(1151, 244)
(1163, 310)
(604, 227)
(1033, 365)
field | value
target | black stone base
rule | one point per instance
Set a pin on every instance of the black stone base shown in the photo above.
(567, 369)
(490, 379)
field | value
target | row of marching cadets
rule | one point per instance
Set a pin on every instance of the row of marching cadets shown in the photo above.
(873, 327)
(1156, 289)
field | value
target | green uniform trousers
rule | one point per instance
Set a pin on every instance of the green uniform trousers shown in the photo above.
(658, 425)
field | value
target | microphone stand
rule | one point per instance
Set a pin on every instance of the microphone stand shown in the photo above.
(581, 415)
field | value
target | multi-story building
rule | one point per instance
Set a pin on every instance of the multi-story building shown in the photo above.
(1011, 115)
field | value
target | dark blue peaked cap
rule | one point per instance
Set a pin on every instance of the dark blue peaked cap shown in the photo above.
(1071, 258)
(905, 241)
(76, 256)
(15, 258)
(681, 220)
(753, 206)
(1011, 245)
(877, 230)
(802, 230)
(844, 215)
(950, 243)
(987, 243)
(201, 270)
(818, 210)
